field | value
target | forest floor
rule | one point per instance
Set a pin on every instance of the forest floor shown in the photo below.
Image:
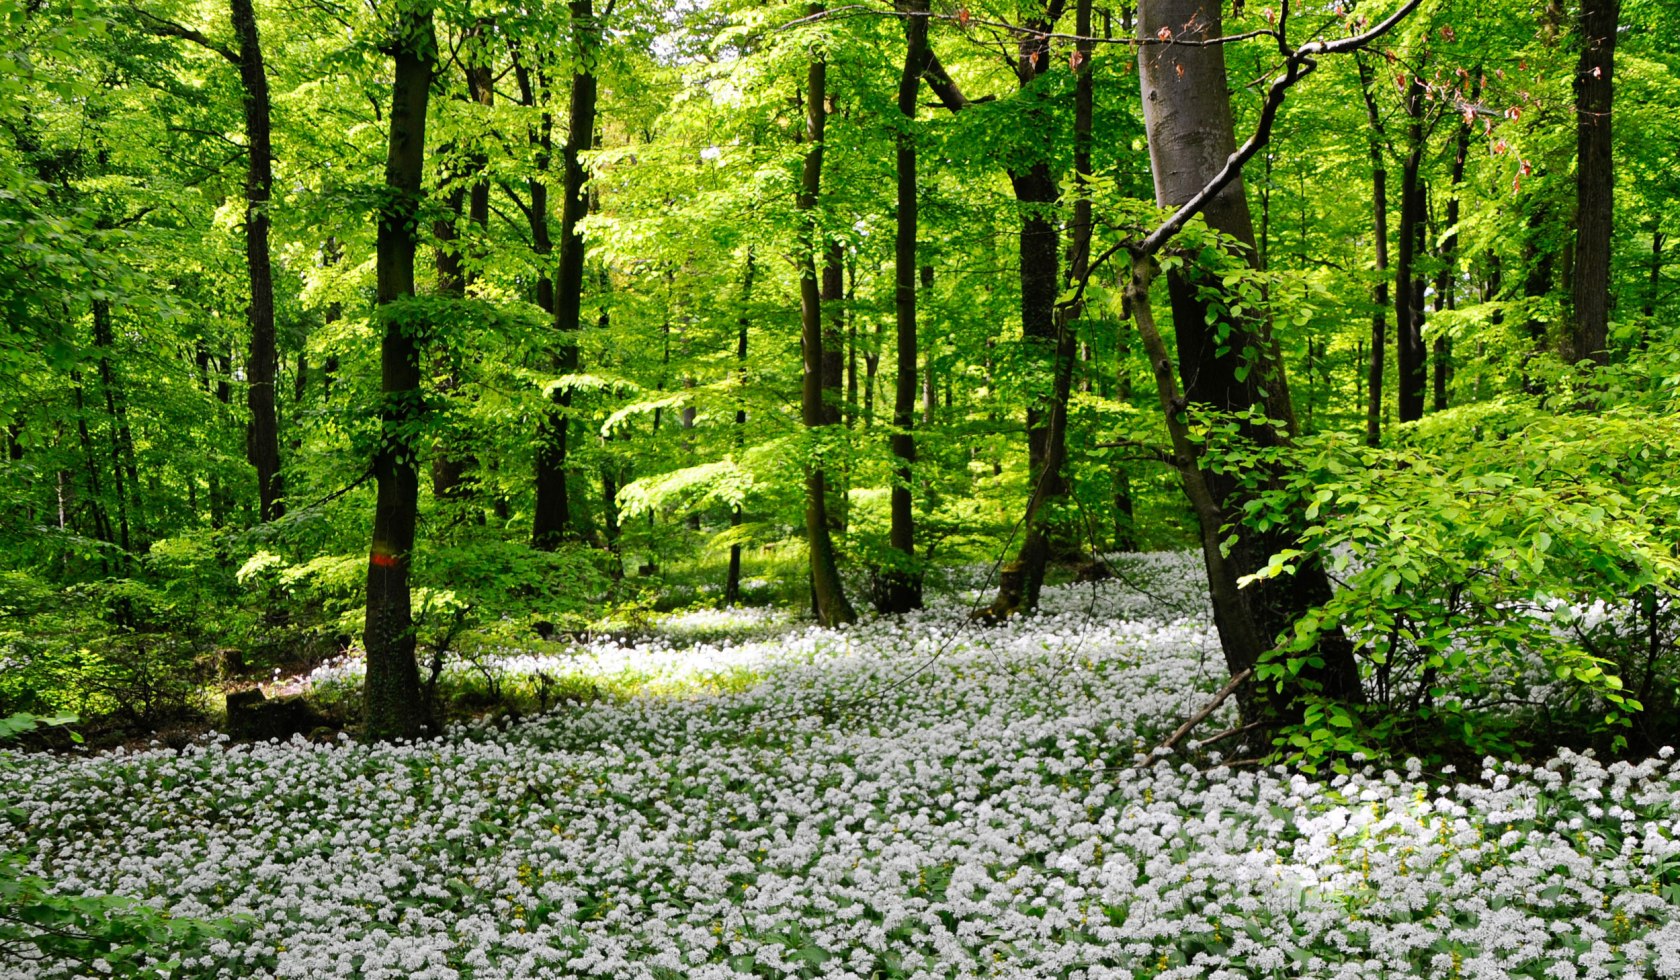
(738, 795)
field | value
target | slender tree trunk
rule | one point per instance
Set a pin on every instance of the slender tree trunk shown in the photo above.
(1040, 265)
(827, 593)
(467, 189)
(125, 473)
(1446, 279)
(1191, 137)
(833, 373)
(552, 519)
(95, 494)
(395, 707)
(732, 580)
(263, 445)
(1379, 297)
(1595, 199)
(451, 284)
(901, 583)
(1408, 285)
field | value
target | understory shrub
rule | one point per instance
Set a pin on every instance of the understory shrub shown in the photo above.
(1503, 572)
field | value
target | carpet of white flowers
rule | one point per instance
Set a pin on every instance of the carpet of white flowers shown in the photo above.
(924, 799)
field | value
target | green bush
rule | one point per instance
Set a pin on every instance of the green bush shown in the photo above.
(1499, 570)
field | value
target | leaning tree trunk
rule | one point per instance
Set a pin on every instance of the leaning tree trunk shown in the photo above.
(394, 705)
(827, 593)
(1594, 173)
(552, 519)
(901, 584)
(1192, 141)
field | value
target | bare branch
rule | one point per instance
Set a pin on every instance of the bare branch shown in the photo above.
(1207, 709)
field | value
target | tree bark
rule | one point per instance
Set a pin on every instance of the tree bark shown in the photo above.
(1192, 143)
(125, 470)
(1379, 293)
(263, 360)
(394, 706)
(1446, 278)
(552, 520)
(1594, 178)
(732, 578)
(1411, 354)
(468, 189)
(827, 592)
(901, 584)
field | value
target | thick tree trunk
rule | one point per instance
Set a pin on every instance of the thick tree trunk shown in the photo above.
(263, 444)
(1191, 137)
(1379, 294)
(394, 706)
(827, 593)
(552, 520)
(1595, 200)
(901, 584)
(834, 373)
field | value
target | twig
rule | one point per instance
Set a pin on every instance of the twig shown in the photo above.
(1227, 733)
(1207, 709)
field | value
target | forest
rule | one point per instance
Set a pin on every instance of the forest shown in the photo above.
(1089, 489)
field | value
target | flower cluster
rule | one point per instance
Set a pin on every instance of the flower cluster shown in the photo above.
(923, 798)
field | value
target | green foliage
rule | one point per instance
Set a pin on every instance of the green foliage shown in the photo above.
(100, 934)
(1491, 571)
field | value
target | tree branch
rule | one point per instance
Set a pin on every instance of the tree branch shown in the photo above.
(1207, 709)
(168, 28)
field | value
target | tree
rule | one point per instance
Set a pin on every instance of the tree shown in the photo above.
(1594, 178)
(1197, 168)
(552, 517)
(828, 594)
(902, 589)
(262, 445)
(393, 704)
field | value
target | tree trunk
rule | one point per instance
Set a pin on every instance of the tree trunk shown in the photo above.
(1191, 139)
(834, 372)
(827, 593)
(1595, 200)
(1379, 294)
(451, 284)
(1040, 260)
(552, 519)
(263, 445)
(1411, 353)
(394, 704)
(1446, 278)
(901, 583)
(732, 579)
(455, 274)
(125, 471)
